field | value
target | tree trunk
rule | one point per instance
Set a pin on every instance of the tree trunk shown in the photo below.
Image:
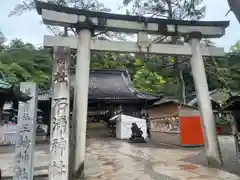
(179, 74)
(182, 93)
(235, 7)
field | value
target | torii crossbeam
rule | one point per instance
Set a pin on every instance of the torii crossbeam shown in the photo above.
(132, 47)
(86, 22)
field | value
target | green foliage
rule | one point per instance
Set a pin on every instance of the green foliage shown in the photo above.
(2, 38)
(23, 62)
(171, 75)
(181, 9)
(222, 119)
(106, 61)
(231, 70)
(146, 80)
(168, 9)
(155, 74)
(236, 47)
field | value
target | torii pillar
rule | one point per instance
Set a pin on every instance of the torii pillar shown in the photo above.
(204, 103)
(86, 21)
(81, 93)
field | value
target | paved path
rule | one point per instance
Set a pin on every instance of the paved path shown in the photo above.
(228, 152)
(109, 159)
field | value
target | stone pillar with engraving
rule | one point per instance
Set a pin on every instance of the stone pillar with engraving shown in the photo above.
(26, 133)
(59, 137)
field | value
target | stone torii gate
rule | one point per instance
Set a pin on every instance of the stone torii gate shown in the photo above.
(87, 22)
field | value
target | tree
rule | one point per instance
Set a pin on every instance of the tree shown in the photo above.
(144, 79)
(147, 81)
(230, 64)
(29, 5)
(2, 40)
(236, 47)
(21, 61)
(235, 7)
(223, 73)
(175, 72)
(100, 60)
(169, 9)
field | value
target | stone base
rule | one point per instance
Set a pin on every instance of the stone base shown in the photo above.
(36, 177)
(137, 140)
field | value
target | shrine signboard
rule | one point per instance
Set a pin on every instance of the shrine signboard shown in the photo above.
(59, 149)
(26, 133)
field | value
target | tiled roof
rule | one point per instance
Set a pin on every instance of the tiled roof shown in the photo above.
(167, 100)
(4, 84)
(216, 96)
(11, 92)
(113, 84)
(109, 85)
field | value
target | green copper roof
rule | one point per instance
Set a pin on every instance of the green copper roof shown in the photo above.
(12, 92)
(4, 84)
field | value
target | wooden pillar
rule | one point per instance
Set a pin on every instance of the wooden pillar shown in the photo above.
(26, 133)
(59, 136)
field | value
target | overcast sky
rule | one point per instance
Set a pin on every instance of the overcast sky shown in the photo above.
(29, 28)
